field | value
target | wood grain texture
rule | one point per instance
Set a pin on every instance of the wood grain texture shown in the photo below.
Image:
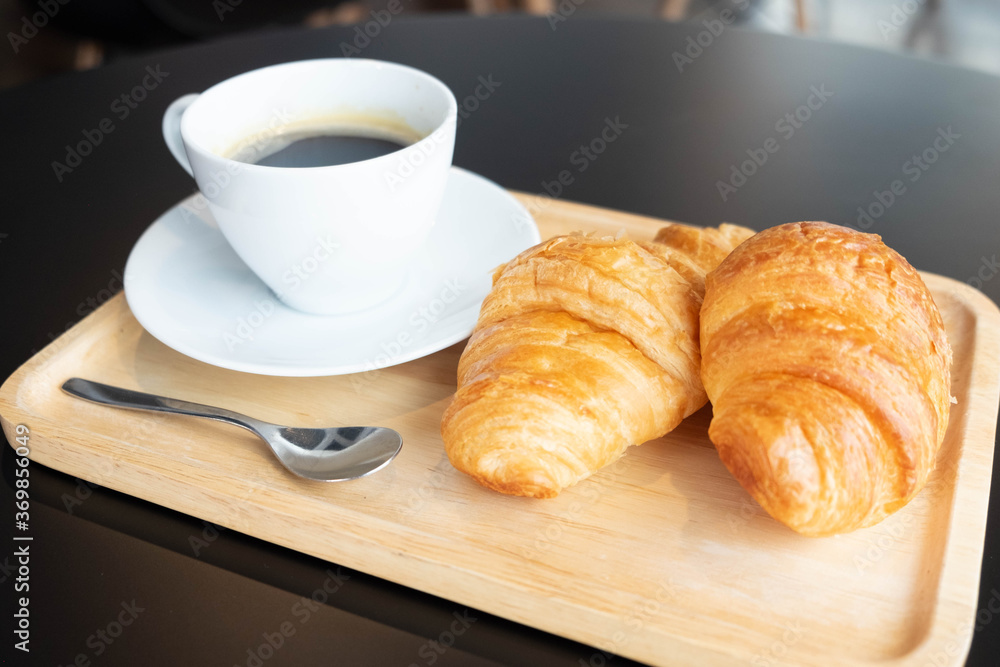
(661, 557)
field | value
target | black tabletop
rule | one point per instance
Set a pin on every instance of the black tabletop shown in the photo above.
(751, 128)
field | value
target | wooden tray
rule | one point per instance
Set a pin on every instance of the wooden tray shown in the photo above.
(662, 557)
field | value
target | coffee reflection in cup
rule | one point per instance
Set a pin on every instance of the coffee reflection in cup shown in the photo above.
(324, 142)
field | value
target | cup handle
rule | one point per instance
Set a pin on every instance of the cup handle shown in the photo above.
(172, 129)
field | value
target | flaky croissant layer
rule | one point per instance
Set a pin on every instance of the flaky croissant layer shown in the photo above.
(584, 346)
(828, 369)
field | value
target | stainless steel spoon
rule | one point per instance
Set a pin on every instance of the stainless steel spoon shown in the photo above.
(331, 454)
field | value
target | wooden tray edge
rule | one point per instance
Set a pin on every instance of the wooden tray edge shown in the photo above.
(9, 389)
(984, 392)
(949, 635)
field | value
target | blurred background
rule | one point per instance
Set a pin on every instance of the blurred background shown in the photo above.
(44, 37)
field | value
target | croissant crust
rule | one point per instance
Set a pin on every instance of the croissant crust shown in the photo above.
(828, 368)
(584, 346)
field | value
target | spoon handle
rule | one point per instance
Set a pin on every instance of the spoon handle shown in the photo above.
(137, 400)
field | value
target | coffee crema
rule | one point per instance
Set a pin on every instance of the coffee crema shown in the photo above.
(324, 142)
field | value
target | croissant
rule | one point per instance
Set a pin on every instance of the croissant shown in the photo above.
(584, 346)
(827, 365)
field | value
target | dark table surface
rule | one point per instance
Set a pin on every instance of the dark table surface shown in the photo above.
(836, 131)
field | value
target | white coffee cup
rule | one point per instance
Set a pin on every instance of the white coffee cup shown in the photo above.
(334, 239)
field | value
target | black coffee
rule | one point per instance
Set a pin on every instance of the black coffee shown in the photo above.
(327, 150)
(318, 146)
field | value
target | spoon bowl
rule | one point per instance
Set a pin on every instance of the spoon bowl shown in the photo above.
(333, 454)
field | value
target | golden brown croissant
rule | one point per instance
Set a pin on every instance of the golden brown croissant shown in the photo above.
(827, 365)
(584, 346)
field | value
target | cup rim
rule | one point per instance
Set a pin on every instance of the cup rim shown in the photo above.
(451, 113)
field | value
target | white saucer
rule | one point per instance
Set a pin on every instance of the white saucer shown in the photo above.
(188, 288)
